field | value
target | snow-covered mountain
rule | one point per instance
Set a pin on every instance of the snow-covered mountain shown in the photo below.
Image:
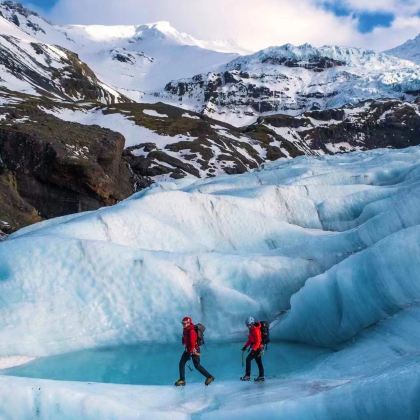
(139, 59)
(133, 59)
(333, 241)
(410, 50)
(156, 62)
(292, 80)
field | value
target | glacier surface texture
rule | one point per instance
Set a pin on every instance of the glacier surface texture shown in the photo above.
(327, 249)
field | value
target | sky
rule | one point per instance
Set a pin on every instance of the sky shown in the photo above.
(255, 24)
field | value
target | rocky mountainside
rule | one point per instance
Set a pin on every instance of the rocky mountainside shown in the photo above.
(51, 167)
(410, 50)
(32, 67)
(165, 142)
(293, 80)
(367, 125)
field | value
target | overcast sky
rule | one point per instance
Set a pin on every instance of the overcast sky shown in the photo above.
(255, 24)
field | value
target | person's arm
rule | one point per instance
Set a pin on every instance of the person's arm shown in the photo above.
(248, 343)
(192, 342)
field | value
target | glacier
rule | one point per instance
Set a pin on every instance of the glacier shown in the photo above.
(326, 248)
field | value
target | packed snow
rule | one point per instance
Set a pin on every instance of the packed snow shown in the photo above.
(154, 113)
(325, 248)
(134, 134)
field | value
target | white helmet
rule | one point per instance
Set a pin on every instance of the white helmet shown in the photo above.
(250, 321)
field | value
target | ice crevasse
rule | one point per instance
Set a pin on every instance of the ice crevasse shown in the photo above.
(328, 249)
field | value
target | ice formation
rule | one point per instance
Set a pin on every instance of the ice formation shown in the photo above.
(334, 241)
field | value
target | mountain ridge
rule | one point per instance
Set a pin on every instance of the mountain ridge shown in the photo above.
(409, 50)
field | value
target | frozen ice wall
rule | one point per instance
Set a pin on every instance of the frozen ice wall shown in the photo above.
(333, 240)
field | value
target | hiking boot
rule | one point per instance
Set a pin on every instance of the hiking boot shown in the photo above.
(259, 379)
(179, 382)
(245, 378)
(209, 380)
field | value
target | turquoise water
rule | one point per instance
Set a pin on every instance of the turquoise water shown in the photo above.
(157, 364)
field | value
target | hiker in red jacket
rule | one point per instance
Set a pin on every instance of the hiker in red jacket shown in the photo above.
(256, 350)
(192, 350)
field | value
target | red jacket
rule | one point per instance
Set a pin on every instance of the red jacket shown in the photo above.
(254, 337)
(189, 339)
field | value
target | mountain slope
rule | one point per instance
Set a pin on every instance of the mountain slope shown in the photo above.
(410, 50)
(31, 67)
(134, 59)
(146, 58)
(292, 80)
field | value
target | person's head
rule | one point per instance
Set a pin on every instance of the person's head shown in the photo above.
(250, 322)
(186, 321)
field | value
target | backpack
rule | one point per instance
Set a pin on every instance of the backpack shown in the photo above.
(199, 329)
(265, 332)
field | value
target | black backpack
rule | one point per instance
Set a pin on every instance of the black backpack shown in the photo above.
(265, 332)
(199, 329)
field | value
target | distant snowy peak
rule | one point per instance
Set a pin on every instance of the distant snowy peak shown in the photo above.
(410, 50)
(144, 58)
(315, 58)
(294, 79)
(158, 32)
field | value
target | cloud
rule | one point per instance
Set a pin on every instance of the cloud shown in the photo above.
(250, 23)
(393, 6)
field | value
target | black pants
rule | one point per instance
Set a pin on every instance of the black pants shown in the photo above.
(196, 360)
(257, 355)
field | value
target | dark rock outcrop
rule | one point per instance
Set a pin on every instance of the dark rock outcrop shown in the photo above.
(52, 168)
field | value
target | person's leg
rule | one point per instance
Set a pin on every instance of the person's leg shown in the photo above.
(258, 359)
(248, 363)
(197, 365)
(184, 359)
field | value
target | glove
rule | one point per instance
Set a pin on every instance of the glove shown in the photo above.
(244, 348)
